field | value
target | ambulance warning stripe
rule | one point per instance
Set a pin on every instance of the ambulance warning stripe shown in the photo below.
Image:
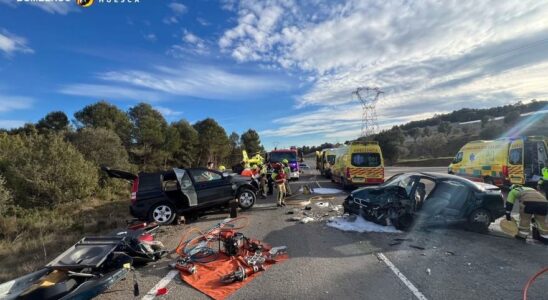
(373, 172)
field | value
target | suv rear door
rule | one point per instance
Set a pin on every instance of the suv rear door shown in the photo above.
(210, 186)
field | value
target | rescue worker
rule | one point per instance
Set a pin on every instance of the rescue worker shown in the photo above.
(531, 204)
(270, 181)
(287, 171)
(279, 177)
(543, 182)
(210, 165)
(262, 181)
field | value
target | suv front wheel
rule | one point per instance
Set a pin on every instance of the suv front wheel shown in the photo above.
(162, 213)
(246, 198)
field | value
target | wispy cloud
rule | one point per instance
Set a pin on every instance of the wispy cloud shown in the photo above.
(427, 56)
(203, 21)
(168, 112)
(11, 43)
(190, 44)
(177, 10)
(197, 81)
(109, 92)
(9, 103)
(150, 37)
(61, 8)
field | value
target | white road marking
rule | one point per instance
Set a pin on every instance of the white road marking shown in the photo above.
(161, 284)
(265, 205)
(318, 184)
(298, 182)
(402, 277)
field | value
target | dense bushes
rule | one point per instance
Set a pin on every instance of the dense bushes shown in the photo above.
(43, 170)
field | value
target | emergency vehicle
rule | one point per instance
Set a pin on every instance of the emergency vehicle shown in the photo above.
(325, 159)
(278, 155)
(358, 163)
(502, 162)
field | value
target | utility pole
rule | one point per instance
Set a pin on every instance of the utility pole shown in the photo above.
(368, 98)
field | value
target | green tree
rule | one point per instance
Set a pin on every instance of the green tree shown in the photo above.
(55, 121)
(251, 142)
(6, 197)
(426, 131)
(149, 136)
(511, 117)
(105, 115)
(485, 120)
(212, 140)
(389, 141)
(445, 128)
(235, 151)
(414, 133)
(44, 170)
(187, 152)
(102, 147)
(171, 146)
(491, 131)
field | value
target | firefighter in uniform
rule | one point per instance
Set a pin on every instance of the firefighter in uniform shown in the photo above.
(287, 171)
(531, 204)
(543, 182)
(279, 177)
(262, 180)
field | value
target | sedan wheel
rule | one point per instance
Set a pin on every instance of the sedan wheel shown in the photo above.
(162, 213)
(246, 199)
(479, 220)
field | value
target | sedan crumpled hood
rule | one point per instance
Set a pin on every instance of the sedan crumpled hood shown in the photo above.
(371, 195)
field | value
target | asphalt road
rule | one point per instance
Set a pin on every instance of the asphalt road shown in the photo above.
(326, 263)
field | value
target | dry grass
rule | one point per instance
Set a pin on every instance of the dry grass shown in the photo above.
(38, 237)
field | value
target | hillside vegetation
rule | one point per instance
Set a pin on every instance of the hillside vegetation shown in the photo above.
(442, 135)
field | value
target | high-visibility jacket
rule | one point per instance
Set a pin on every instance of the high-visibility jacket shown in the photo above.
(523, 194)
(544, 176)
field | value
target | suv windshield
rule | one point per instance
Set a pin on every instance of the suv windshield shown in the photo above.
(279, 156)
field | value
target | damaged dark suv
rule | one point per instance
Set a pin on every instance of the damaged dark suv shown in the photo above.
(161, 196)
(428, 198)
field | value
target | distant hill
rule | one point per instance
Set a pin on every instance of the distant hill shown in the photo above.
(470, 114)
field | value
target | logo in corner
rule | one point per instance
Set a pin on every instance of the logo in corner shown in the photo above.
(84, 3)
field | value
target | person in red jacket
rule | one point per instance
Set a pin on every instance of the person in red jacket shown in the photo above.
(279, 177)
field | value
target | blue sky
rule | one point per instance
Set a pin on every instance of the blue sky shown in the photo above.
(286, 68)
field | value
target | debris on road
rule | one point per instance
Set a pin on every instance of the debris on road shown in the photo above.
(323, 191)
(322, 204)
(345, 223)
(306, 220)
(417, 247)
(428, 271)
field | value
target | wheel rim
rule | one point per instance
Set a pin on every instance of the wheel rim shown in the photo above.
(481, 217)
(246, 199)
(162, 213)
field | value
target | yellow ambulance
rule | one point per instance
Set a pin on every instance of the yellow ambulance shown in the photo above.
(358, 163)
(325, 160)
(503, 161)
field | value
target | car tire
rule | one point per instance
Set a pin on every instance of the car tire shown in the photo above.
(403, 223)
(162, 213)
(479, 220)
(246, 199)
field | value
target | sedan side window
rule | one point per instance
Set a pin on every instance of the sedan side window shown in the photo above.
(204, 175)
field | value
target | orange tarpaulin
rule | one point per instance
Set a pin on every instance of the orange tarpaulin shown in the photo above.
(207, 278)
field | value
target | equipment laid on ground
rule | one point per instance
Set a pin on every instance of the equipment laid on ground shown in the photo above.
(89, 267)
(218, 262)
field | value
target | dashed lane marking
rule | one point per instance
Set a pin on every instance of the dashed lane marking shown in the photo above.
(161, 284)
(402, 277)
